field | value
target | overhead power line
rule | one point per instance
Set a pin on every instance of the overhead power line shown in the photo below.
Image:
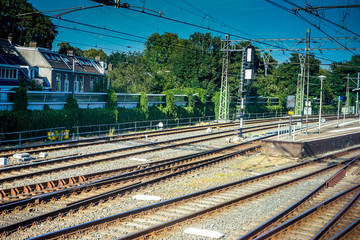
(106, 35)
(307, 21)
(316, 14)
(115, 31)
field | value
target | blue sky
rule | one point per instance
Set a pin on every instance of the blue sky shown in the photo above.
(249, 19)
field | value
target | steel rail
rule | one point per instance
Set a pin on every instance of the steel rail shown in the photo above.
(129, 171)
(47, 196)
(90, 155)
(326, 229)
(130, 136)
(83, 227)
(341, 235)
(169, 165)
(328, 183)
(7, 169)
(102, 197)
(101, 140)
(302, 216)
(123, 137)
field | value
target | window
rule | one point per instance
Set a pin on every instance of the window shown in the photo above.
(82, 83)
(47, 56)
(58, 83)
(66, 60)
(9, 73)
(76, 84)
(91, 84)
(57, 57)
(66, 83)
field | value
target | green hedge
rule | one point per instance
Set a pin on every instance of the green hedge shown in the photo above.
(14, 121)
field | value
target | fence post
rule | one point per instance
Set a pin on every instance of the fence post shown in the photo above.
(51, 135)
(150, 125)
(167, 123)
(118, 128)
(135, 126)
(178, 122)
(61, 139)
(190, 121)
(19, 139)
(77, 131)
(99, 130)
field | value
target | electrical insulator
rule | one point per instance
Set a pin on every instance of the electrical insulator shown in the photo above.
(117, 3)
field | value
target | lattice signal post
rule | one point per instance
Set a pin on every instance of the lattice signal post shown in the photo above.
(266, 46)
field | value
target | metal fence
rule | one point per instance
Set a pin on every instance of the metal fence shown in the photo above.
(122, 128)
(17, 138)
(59, 134)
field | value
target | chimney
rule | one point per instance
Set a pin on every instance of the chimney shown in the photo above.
(110, 66)
(70, 52)
(32, 44)
(10, 38)
(97, 58)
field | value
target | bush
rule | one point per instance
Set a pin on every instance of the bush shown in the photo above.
(71, 104)
(144, 104)
(19, 98)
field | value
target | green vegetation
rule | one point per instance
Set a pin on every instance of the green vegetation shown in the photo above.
(19, 98)
(24, 29)
(168, 65)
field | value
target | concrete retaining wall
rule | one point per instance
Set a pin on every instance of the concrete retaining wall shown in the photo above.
(309, 148)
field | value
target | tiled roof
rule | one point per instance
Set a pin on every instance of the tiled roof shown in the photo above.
(59, 61)
(9, 54)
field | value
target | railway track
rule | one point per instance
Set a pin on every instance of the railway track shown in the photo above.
(310, 224)
(76, 198)
(10, 174)
(125, 173)
(341, 181)
(57, 146)
(246, 188)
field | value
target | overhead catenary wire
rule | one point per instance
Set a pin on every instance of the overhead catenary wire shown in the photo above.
(307, 21)
(244, 38)
(115, 31)
(119, 32)
(87, 45)
(323, 18)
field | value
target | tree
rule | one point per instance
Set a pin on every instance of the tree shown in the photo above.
(131, 74)
(19, 98)
(64, 47)
(337, 79)
(24, 29)
(283, 80)
(92, 53)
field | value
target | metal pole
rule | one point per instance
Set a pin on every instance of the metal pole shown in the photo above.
(242, 94)
(338, 115)
(279, 131)
(290, 125)
(357, 94)
(321, 87)
(308, 76)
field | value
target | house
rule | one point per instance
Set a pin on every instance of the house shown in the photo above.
(13, 66)
(64, 73)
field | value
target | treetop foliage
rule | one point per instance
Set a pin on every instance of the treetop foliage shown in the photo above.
(24, 29)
